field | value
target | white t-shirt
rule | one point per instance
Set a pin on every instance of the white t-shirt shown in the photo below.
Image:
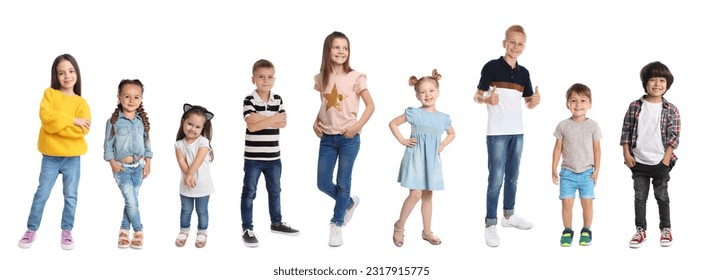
(203, 180)
(649, 149)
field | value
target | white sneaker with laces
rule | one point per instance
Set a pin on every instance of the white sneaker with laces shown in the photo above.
(517, 222)
(335, 235)
(492, 238)
(350, 212)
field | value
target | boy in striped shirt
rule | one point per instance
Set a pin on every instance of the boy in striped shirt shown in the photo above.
(265, 116)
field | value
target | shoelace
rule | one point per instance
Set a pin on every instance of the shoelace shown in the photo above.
(666, 234)
(28, 235)
(67, 236)
(250, 233)
(638, 235)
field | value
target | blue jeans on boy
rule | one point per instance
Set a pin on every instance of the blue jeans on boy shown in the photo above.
(659, 176)
(272, 175)
(333, 147)
(51, 167)
(129, 182)
(200, 204)
(504, 152)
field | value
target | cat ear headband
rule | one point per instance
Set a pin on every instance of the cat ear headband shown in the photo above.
(187, 107)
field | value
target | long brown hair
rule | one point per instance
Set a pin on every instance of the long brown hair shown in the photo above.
(55, 77)
(140, 110)
(326, 65)
(207, 127)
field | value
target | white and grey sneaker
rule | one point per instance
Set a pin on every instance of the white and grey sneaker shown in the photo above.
(517, 222)
(350, 211)
(492, 238)
(335, 235)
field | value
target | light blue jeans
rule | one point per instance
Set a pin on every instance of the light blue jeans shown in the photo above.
(504, 152)
(129, 182)
(332, 148)
(200, 204)
(51, 167)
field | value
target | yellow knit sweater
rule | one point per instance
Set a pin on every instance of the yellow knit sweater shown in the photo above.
(58, 136)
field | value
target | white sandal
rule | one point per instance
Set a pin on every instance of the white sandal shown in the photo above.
(182, 238)
(201, 239)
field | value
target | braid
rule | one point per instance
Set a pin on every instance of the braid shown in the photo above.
(113, 119)
(145, 119)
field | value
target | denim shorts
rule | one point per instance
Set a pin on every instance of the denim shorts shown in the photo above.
(570, 181)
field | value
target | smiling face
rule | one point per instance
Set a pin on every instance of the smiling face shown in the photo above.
(339, 52)
(427, 92)
(656, 87)
(67, 76)
(578, 104)
(193, 126)
(514, 44)
(130, 97)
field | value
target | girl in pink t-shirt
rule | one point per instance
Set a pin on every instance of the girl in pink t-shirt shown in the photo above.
(337, 125)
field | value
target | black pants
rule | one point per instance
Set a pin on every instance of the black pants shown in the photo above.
(658, 174)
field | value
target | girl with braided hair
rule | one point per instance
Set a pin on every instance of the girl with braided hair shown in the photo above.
(128, 151)
(421, 167)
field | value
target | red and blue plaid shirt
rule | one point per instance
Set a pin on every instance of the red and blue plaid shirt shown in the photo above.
(670, 125)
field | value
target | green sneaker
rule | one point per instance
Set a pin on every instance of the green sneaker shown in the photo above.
(566, 237)
(585, 239)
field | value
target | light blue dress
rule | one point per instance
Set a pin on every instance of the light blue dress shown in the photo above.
(421, 167)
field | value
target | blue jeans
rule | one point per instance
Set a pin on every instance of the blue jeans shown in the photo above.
(504, 152)
(333, 147)
(129, 182)
(200, 208)
(272, 175)
(51, 167)
(658, 175)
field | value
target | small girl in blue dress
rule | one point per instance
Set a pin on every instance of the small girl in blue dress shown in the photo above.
(421, 168)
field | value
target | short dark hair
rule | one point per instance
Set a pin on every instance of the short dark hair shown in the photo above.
(579, 89)
(656, 69)
(261, 63)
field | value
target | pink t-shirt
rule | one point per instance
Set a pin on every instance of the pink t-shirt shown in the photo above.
(340, 101)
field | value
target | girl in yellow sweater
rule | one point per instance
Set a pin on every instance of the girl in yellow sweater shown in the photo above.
(65, 120)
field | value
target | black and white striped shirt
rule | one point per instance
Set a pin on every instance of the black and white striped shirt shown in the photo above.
(262, 144)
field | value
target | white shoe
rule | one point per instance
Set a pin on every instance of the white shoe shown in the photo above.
(515, 221)
(335, 235)
(492, 238)
(350, 212)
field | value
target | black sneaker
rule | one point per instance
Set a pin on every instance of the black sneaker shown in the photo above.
(249, 238)
(284, 228)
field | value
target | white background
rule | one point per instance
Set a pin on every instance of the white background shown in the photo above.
(202, 54)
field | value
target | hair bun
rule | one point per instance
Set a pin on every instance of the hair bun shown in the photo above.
(412, 81)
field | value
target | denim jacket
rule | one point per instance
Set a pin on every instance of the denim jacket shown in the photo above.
(129, 139)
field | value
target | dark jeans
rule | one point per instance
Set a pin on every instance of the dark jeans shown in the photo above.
(272, 174)
(658, 174)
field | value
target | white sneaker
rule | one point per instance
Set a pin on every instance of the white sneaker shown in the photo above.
(335, 235)
(492, 238)
(350, 212)
(515, 221)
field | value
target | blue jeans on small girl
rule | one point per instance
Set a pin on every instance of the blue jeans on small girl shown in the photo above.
(51, 167)
(129, 182)
(333, 147)
(570, 181)
(272, 175)
(200, 204)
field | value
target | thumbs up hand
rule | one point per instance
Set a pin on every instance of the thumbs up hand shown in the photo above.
(534, 99)
(492, 98)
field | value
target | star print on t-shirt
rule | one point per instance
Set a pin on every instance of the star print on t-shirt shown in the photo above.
(334, 98)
